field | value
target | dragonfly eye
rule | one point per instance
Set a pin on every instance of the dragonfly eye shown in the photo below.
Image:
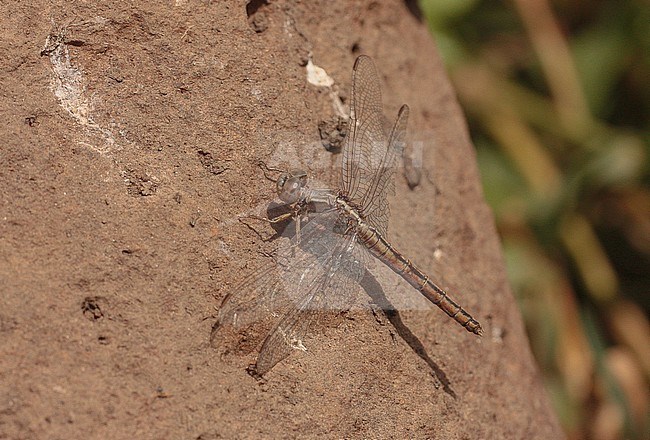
(289, 186)
(282, 180)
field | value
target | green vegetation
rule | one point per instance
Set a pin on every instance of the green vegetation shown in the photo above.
(558, 99)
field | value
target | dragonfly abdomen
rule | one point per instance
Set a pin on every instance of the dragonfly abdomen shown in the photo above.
(402, 266)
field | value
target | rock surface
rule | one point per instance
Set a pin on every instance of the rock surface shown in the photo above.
(130, 145)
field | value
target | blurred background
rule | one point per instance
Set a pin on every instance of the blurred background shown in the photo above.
(557, 94)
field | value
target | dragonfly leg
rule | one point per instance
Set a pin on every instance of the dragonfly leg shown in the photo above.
(277, 219)
(294, 214)
(298, 222)
(280, 218)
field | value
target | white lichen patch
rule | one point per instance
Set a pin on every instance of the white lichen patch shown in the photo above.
(67, 84)
(318, 76)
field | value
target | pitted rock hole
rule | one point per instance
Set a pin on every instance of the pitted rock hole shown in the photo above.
(257, 19)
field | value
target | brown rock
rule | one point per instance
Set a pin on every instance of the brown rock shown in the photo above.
(99, 190)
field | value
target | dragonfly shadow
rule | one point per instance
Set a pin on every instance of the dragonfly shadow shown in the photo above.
(284, 227)
(283, 219)
(376, 292)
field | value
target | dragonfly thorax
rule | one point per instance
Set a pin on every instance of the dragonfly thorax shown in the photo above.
(349, 209)
(289, 186)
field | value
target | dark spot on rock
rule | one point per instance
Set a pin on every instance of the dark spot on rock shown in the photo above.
(257, 19)
(210, 163)
(91, 307)
(209, 436)
(7, 324)
(117, 77)
(76, 43)
(259, 23)
(194, 219)
(138, 185)
(332, 133)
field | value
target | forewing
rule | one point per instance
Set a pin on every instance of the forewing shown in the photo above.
(366, 135)
(368, 159)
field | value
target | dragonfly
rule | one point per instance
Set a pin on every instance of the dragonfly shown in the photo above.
(343, 230)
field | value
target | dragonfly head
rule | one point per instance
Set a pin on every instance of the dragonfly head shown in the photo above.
(289, 185)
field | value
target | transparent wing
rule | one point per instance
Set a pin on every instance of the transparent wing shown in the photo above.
(331, 291)
(283, 298)
(365, 133)
(375, 200)
(368, 161)
(288, 334)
